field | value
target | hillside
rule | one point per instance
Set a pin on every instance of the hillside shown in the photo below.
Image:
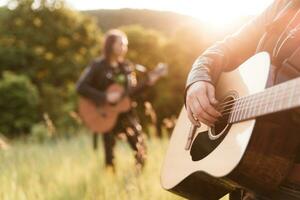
(166, 22)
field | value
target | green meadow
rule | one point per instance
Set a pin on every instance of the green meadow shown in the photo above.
(70, 169)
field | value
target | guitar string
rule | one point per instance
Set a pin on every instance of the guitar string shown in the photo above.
(249, 107)
(248, 116)
(259, 96)
(260, 104)
(280, 86)
(228, 103)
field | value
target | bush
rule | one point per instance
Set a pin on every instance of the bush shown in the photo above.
(18, 104)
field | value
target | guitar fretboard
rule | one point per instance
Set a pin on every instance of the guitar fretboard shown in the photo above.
(278, 98)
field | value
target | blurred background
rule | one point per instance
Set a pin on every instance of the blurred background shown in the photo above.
(45, 151)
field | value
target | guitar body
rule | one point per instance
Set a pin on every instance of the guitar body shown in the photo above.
(255, 154)
(102, 119)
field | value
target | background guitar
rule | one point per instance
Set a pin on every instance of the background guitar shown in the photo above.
(102, 119)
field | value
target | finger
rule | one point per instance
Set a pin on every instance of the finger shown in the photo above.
(207, 107)
(198, 111)
(211, 95)
(191, 118)
(203, 120)
(202, 115)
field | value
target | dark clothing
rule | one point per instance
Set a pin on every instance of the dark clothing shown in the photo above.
(277, 31)
(134, 136)
(93, 83)
(99, 75)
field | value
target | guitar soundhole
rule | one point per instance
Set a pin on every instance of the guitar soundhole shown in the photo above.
(222, 124)
(207, 141)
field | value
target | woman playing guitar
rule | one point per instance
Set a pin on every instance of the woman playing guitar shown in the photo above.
(103, 72)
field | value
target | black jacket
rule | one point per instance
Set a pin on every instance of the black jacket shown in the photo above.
(100, 74)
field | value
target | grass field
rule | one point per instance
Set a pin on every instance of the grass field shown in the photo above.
(70, 169)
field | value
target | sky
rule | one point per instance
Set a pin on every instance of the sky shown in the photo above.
(211, 11)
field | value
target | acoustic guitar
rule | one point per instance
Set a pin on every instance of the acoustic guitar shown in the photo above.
(245, 148)
(102, 119)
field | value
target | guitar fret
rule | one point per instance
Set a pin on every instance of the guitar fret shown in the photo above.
(252, 106)
(239, 111)
(258, 105)
(246, 108)
(249, 107)
(294, 84)
(266, 108)
(242, 110)
(273, 104)
(297, 97)
(280, 104)
(233, 113)
(270, 100)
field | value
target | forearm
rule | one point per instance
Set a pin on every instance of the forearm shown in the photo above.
(84, 85)
(91, 93)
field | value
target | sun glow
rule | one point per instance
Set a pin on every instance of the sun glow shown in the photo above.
(222, 12)
(215, 12)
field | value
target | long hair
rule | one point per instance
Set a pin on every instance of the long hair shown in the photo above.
(109, 40)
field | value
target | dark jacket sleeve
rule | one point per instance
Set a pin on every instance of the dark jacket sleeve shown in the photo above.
(142, 83)
(138, 78)
(85, 87)
(233, 50)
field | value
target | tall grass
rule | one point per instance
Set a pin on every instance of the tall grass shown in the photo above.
(70, 169)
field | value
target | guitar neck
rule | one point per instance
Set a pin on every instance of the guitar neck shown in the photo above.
(281, 97)
(159, 71)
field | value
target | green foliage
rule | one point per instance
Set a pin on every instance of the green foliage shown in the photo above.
(145, 45)
(18, 104)
(50, 44)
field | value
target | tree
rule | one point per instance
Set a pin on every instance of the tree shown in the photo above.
(50, 44)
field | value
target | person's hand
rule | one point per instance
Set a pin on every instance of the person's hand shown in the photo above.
(152, 79)
(113, 97)
(201, 102)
